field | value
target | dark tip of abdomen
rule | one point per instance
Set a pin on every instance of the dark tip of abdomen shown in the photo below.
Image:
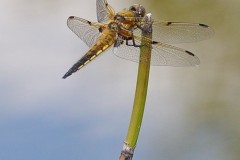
(71, 17)
(66, 75)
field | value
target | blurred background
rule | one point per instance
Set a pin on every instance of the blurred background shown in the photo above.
(191, 113)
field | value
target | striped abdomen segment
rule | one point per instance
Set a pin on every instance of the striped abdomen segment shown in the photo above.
(104, 42)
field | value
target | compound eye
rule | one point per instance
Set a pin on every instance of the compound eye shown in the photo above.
(141, 11)
(133, 8)
(138, 9)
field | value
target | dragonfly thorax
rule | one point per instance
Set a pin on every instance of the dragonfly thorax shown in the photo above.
(114, 26)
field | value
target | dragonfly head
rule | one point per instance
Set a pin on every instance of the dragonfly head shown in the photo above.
(138, 9)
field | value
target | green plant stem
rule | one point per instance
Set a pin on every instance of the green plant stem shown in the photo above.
(141, 87)
(140, 94)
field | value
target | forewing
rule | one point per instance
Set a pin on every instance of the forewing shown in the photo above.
(104, 11)
(178, 32)
(87, 31)
(161, 55)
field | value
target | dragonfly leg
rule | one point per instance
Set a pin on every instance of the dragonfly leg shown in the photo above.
(133, 43)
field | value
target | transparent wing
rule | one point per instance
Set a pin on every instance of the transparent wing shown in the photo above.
(87, 31)
(104, 11)
(162, 54)
(178, 32)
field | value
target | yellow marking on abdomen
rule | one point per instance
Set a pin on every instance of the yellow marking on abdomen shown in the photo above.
(92, 57)
(86, 62)
(96, 49)
(80, 66)
(98, 52)
(105, 47)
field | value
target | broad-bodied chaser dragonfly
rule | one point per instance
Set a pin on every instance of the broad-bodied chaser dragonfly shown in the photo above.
(123, 31)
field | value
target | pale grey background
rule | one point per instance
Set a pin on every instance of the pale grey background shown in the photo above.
(191, 113)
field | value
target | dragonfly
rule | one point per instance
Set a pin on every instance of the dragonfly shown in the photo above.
(122, 31)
